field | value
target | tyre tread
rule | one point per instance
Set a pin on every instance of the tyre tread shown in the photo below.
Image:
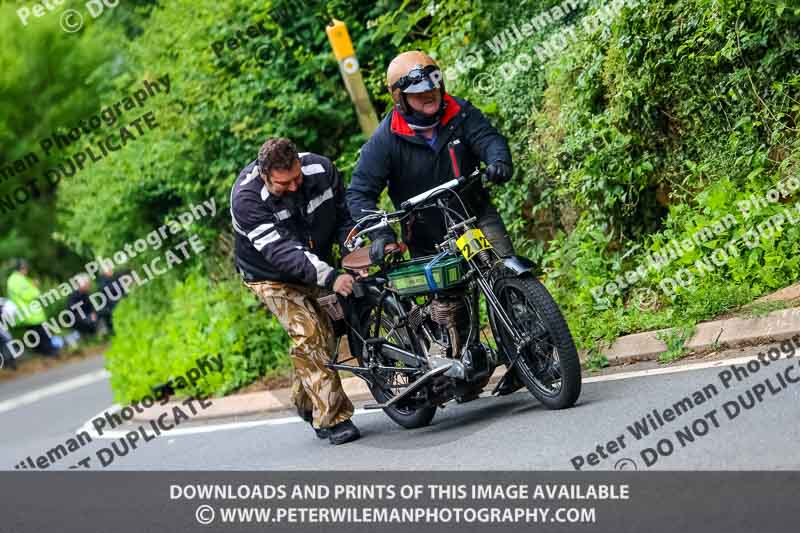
(562, 338)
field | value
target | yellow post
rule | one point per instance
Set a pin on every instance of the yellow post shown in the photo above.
(351, 74)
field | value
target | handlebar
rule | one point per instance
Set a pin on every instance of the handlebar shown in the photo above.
(427, 195)
(407, 206)
(421, 197)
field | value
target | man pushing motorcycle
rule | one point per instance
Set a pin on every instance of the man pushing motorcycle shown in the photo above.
(288, 209)
(409, 154)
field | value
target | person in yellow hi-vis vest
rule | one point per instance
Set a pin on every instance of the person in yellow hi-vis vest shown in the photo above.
(23, 292)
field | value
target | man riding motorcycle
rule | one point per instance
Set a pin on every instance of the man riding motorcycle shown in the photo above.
(409, 154)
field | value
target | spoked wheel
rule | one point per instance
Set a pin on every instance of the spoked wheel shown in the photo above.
(408, 415)
(549, 365)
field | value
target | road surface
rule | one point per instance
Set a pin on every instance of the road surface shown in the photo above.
(42, 411)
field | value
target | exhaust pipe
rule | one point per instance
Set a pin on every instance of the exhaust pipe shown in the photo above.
(430, 374)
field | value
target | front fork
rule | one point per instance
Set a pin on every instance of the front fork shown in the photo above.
(521, 340)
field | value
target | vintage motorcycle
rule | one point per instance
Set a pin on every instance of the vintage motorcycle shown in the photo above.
(414, 327)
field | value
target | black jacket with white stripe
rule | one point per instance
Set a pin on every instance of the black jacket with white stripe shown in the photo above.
(280, 240)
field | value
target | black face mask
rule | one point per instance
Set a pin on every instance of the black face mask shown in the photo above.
(419, 80)
(417, 119)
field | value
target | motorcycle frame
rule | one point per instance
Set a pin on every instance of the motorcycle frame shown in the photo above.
(375, 286)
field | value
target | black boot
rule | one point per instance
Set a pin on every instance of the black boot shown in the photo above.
(343, 432)
(308, 416)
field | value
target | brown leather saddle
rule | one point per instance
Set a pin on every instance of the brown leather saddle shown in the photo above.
(359, 259)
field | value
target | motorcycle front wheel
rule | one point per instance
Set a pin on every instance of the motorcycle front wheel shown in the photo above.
(549, 366)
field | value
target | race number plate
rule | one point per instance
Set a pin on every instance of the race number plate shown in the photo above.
(472, 242)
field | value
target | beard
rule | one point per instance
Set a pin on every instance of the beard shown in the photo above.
(293, 200)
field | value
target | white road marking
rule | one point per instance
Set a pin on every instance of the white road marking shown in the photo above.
(671, 370)
(52, 390)
(116, 434)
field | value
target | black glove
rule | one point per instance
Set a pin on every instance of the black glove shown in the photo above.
(499, 172)
(376, 249)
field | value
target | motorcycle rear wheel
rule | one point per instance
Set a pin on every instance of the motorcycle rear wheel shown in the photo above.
(407, 416)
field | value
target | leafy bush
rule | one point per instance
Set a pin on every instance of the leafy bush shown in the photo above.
(644, 131)
(50, 81)
(165, 326)
(218, 112)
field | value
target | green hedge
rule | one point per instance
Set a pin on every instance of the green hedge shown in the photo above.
(219, 110)
(163, 327)
(641, 132)
(217, 114)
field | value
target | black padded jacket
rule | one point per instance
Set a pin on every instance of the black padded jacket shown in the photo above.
(277, 240)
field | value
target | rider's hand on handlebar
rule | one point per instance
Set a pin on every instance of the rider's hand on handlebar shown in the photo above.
(343, 284)
(377, 248)
(499, 172)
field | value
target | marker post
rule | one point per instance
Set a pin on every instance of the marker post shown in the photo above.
(351, 73)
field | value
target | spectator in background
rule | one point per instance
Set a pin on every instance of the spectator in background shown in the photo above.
(7, 311)
(85, 315)
(105, 284)
(23, 292)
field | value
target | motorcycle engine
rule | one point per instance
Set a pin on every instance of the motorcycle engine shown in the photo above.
(444, 321)
(452, 315)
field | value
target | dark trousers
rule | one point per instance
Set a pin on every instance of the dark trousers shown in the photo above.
(495, 230)
(45, 345)
(86, 327)
(107, 316)
(6, 357)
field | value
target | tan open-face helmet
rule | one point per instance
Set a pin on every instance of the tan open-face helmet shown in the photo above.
(414, 72)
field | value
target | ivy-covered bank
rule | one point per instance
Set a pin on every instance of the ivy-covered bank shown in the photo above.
(636, 127)
(640, 130)
(669, 122)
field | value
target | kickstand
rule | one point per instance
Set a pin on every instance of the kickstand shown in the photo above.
(509, 371)
(501, 382)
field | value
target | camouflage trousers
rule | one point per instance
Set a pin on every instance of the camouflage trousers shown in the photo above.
(316, 389)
